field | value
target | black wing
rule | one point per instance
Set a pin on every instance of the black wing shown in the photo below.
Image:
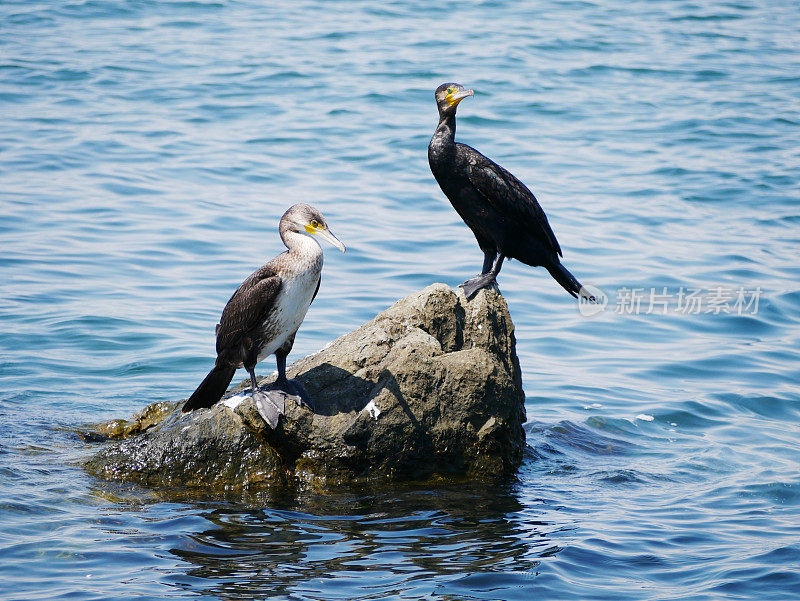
(508, 195)
(248, 307)
(319, 281)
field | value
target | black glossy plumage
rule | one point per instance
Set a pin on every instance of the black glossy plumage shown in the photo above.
(500, 210)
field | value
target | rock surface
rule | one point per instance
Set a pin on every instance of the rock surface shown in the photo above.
(429, 387)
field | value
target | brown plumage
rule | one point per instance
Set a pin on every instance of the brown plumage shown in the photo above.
(263, 315)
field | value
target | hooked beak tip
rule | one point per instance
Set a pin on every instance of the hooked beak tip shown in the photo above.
(458, 97)
(331, 239)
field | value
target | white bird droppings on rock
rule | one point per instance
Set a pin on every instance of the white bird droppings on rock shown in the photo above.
(234, 401)
(372, 409)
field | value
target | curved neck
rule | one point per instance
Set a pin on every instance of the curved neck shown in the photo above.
(442, 144)
(446, 131)
(301, 245)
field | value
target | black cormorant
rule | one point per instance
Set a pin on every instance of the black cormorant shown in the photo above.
(502, 213)
(263, 315)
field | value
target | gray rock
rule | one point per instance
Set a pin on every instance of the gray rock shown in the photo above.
(430, 387)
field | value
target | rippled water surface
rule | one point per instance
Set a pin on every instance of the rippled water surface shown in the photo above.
(147, 150)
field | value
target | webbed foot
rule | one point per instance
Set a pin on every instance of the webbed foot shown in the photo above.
(270, 404)
(472, 285)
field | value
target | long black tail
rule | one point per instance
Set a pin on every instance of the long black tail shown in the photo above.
(565, 278)
(211, 389)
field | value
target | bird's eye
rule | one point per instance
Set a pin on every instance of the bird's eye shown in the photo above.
(450, 90)
(314, 223)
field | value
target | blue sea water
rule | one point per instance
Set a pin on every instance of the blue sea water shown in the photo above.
(147, 151)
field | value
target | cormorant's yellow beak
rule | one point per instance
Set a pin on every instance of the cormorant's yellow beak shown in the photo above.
(457, 96)
(326, 235)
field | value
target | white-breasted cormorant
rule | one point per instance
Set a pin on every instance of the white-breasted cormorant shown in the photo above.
(499, 209)
(263, 315)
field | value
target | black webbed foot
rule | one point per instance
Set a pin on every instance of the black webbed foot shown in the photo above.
(472, 285)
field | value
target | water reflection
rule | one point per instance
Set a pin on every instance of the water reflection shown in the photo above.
(304, 541)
